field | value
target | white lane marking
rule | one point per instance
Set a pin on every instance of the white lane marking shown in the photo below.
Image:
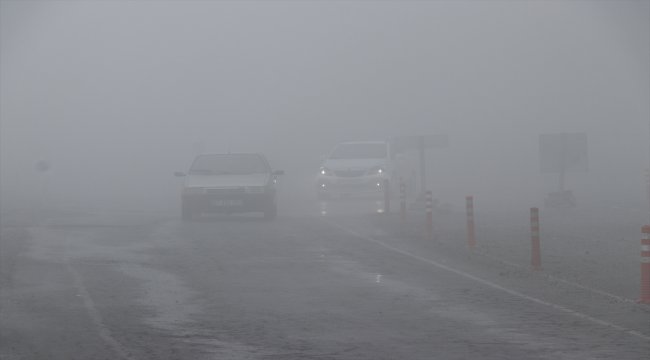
(555, 278)
(584, 287)
(506, 262)
(93, 313)
(496, 286)
(561, 280)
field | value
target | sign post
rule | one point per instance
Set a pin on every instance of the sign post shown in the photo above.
(562, 153)
(420, 143)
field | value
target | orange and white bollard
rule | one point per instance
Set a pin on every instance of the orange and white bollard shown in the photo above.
(428, 202)
(402, 200)
(471, 236)
(647, 185)
(645, 265)
(535, 252)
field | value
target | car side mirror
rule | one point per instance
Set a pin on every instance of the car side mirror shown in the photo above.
(179, 174)
(278, 172)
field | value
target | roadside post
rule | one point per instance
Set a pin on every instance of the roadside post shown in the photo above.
(469, 208)
(428, 202)
(535, 253)
(647, 186)
(402, 200)
(645, 265)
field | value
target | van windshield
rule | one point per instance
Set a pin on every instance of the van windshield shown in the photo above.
(360, 151)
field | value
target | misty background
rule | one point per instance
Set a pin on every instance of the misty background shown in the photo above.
(116, 96)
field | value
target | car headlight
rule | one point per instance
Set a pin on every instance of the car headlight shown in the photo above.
(377, 170)
(193, 190)
(325, 171)
(255, 189)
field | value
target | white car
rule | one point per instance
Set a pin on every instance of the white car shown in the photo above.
(229, 183)
(356, 168)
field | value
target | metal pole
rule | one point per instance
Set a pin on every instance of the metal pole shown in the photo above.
(469, 208)
(535, 252)
(423, 168)
(386, 197)
(428, 200)
(563, 160)
(402, 198)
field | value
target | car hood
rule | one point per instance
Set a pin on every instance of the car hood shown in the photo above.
(338, 164)
(225, 181)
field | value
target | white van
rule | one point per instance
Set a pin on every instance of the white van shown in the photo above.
(356, 168)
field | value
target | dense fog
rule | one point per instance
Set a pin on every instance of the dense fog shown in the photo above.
(116, 96)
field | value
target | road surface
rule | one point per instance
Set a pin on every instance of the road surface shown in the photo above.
(318, 285)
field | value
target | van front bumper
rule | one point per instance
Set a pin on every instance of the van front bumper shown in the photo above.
(361, 185)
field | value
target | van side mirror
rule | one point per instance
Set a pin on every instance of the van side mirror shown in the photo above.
(179, 174)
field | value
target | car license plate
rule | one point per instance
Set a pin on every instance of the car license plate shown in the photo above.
(226, 202)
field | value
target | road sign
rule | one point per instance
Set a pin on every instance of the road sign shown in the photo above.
(564, 152)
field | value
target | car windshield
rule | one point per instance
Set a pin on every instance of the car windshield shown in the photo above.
(229, 164)
(360, 151)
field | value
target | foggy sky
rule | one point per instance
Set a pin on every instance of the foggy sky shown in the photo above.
(116, 95)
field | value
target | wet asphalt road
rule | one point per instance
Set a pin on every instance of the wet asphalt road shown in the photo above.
(120, 286)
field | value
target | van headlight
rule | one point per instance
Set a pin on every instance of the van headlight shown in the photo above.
(325, 171)
(377, 170)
